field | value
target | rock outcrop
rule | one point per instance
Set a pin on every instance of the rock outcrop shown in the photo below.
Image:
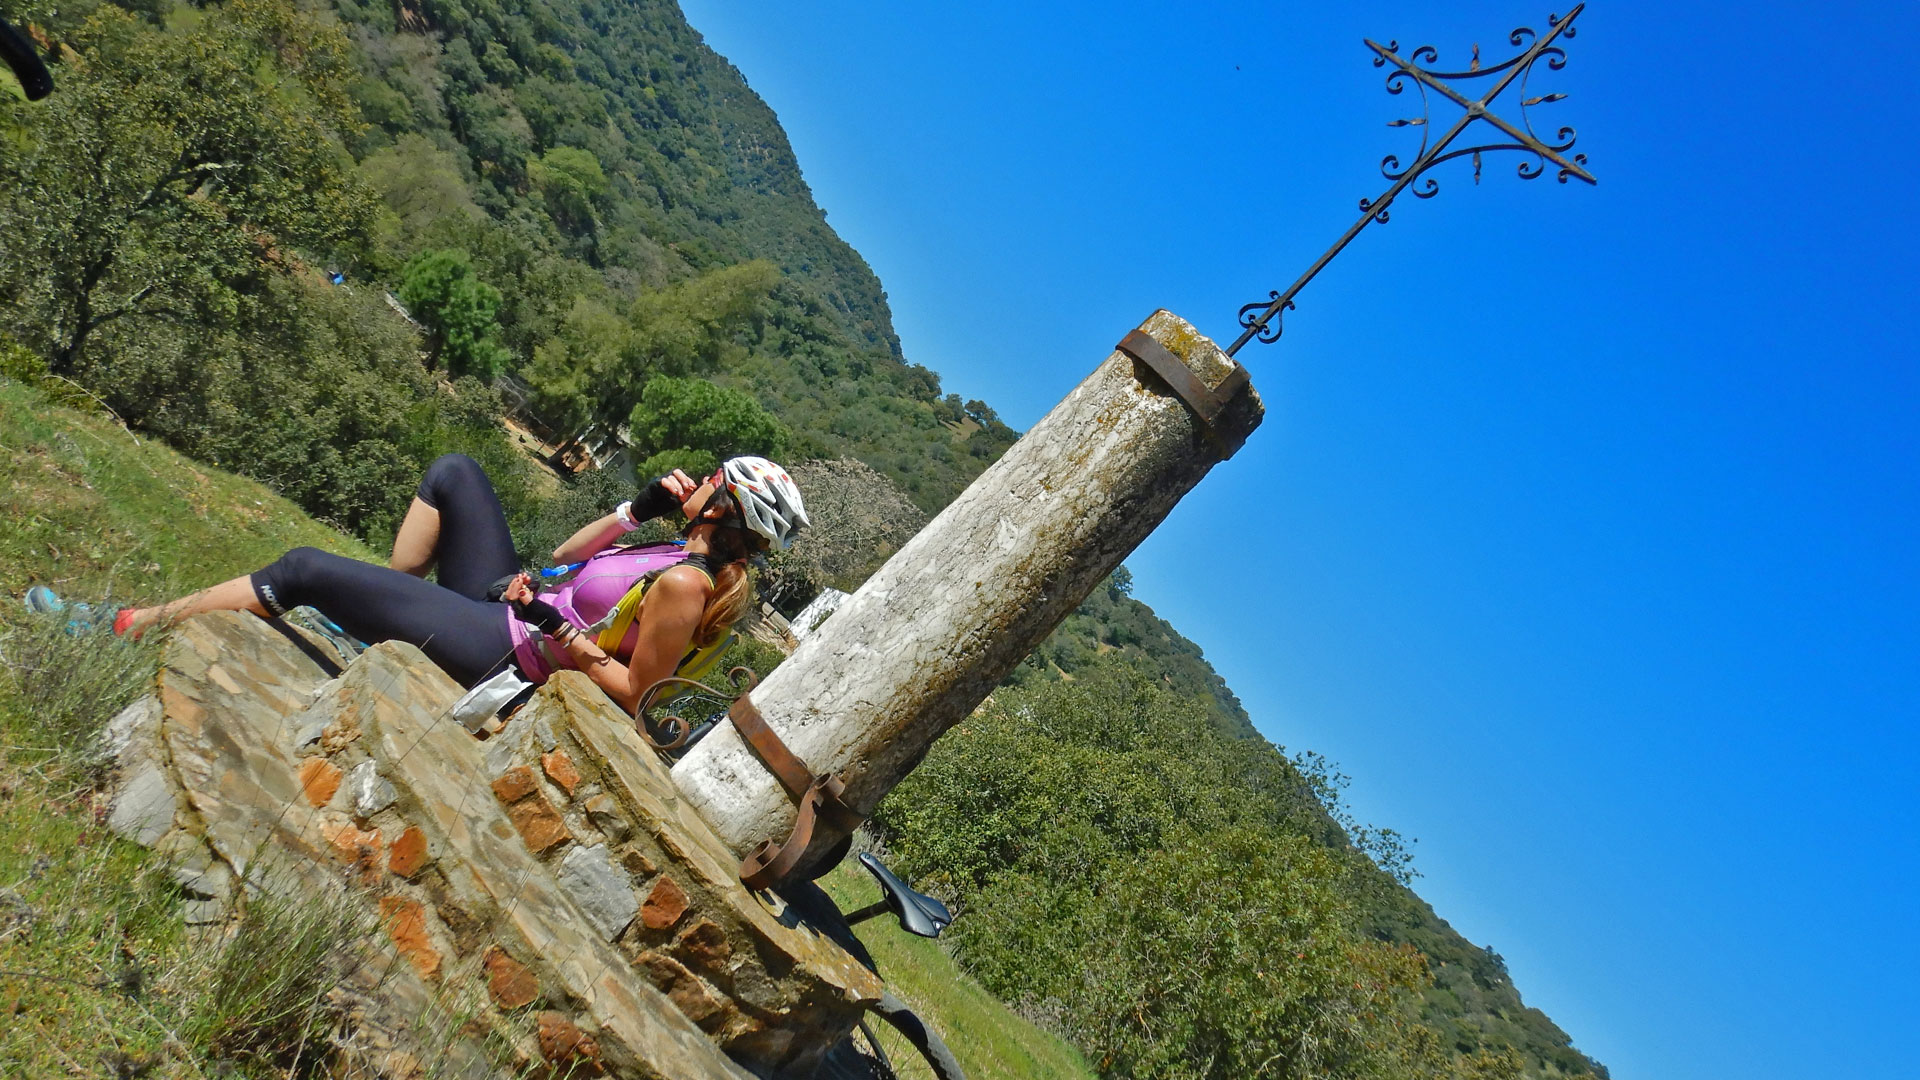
(549, 878)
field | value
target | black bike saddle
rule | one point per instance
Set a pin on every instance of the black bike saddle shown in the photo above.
(918, 913)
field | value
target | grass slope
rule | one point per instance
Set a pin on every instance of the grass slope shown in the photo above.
(990, 1042)
(95, 512)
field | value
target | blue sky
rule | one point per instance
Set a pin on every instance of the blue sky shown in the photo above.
(1582, 528)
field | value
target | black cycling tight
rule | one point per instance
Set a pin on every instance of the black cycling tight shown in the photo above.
(451, 622)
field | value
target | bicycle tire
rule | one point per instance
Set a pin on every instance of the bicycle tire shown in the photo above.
(903, 1045)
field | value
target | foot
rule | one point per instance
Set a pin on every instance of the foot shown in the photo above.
(82, 617)
(43, 601)
(123, 623)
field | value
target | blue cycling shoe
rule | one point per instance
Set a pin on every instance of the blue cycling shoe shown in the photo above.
(43, 601)
(82, 617)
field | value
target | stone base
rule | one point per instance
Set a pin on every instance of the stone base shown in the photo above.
(547, 885)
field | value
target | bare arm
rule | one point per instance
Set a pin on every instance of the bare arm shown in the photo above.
(598, 536)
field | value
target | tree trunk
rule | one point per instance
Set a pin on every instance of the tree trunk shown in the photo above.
(942, 623)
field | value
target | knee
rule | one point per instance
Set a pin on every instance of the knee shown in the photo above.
(297, 567)
(448, 474)
(284, 582)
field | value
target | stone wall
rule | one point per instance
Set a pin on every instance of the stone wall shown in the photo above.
(550, 877)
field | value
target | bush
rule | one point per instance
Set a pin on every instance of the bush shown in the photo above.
(440, 289)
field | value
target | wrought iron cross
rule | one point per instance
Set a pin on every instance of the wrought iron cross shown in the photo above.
(1261, 318)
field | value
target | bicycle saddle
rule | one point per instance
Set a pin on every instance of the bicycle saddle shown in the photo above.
(918, 913)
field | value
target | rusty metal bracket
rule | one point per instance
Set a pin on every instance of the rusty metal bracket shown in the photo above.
(821, 798)
(1206, 405)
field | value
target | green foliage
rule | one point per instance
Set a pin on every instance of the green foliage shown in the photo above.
(593, 371)
(570, 181)
(420, 184)
(989, 1042)
(1110, 623)
(318, 395)
(691, 462)
(459, 309)
(696, 415)
(101, 514)
(1181, 897)
(172, 172)
(75, 681)
(1168, 895)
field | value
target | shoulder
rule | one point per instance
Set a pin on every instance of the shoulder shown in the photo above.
(683, 582)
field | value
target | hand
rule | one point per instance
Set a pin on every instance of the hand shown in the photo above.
(519, 590)
(545, 616)
(664, 494)
(679, 485)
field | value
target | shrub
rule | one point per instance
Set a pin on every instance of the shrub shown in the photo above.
(265, 993)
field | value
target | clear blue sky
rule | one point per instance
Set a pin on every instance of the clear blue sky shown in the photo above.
(1582, 528)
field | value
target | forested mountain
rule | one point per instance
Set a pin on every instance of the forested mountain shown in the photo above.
(579, 198)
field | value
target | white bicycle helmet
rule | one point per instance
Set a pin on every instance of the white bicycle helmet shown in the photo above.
(768, 499)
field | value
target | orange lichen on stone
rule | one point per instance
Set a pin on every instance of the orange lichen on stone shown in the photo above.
(704, 947)
(409, 852)
(406, 922)
(560, 769)
(562, 1043)
(539, 823)
(509, 982)
(358, 848)
(515, 784)
(319, 778)
(692, 997)
(664, 905)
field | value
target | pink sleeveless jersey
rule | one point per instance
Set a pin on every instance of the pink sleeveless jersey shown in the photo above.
(586, 598)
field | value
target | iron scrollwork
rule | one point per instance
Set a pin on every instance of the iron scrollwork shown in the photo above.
(669, 733)
(1261, 319)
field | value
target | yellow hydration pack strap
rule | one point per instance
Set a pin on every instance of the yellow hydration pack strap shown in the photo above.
(699, 659)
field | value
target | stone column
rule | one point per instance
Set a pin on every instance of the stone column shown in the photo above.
(942, 623)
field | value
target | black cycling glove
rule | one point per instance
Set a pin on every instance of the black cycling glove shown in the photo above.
(653, 501)
(538, 613)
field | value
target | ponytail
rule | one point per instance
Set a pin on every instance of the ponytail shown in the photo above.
(732, 592)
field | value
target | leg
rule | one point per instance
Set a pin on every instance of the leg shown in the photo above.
(234, 595)
(467, 638)
(456, 518)
(419, 537)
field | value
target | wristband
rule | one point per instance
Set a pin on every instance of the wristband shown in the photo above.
(625, 513)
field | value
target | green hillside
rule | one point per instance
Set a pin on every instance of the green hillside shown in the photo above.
(577, 212)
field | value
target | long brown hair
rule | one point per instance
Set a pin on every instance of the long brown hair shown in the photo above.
(732, 592)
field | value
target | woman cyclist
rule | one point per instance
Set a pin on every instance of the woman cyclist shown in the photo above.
(628, 618)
